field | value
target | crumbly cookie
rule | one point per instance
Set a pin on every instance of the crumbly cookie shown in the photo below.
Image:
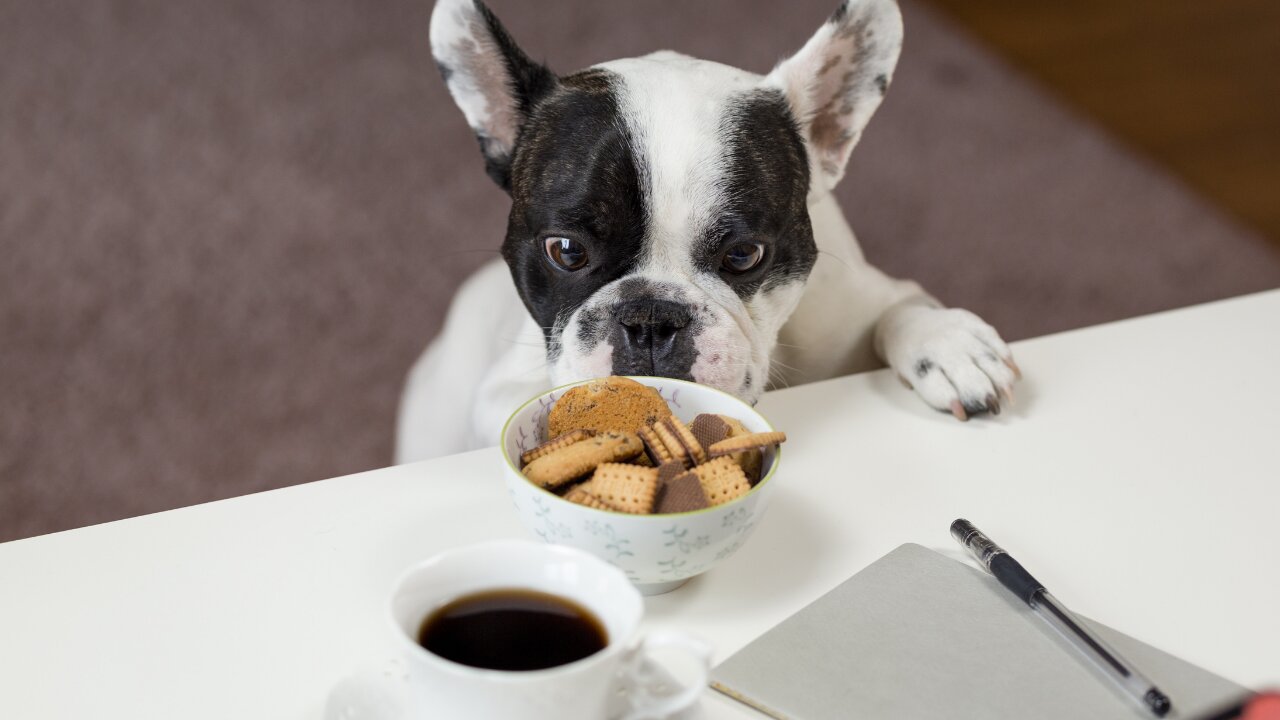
(722, 480)
(573, 461)
(612, 403)
(554, 444)
(628, 488)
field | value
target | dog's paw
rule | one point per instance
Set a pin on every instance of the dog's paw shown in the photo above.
(951, 358)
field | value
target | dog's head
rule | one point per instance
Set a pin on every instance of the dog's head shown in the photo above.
(659, 221)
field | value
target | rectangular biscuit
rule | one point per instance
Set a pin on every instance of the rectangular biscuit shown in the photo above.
(654, 448)
(554, 444)
(750, 441)
(672, 442)
(697, 455)
(573, 461)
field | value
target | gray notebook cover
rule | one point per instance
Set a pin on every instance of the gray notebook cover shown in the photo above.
(918, 635)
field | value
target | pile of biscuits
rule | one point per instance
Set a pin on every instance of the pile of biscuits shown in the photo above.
(615, 445)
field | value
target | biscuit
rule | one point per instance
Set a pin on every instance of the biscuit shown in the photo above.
(573, 461)
(654, 448)
(555, 443)
(583, 497)
(667, 472)
(738, 443)
(683, 493)
(685, 437)
(722, 480)
(671, 442)
(751, 461)
(709, 429)
(612, 403)
(627, 488)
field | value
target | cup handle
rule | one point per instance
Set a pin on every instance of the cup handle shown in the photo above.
(646, 682)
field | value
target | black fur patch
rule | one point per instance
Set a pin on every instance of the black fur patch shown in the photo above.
(838, 16)
(767, 182)
(574, 175)
(924, 367)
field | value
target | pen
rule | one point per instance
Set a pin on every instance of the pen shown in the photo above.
(1015, 577)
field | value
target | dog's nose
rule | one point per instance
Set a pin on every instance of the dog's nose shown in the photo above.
(651, 324)
(650, 333)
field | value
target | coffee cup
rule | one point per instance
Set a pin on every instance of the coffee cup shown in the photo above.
(620, 681)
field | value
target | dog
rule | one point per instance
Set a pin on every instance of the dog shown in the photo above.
(673, 216)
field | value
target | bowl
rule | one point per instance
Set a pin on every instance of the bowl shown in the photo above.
(659, 553)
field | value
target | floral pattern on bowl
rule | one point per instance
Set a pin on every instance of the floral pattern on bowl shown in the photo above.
(657, 552)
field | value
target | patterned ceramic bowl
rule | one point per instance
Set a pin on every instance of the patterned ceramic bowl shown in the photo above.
(657, 552)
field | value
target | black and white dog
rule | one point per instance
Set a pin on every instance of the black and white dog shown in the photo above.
(673, 216)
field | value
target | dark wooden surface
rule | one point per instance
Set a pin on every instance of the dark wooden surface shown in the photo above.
(1193, 84)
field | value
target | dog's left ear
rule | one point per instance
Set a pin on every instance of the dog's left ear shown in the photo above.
(494, 83)
(836, 81)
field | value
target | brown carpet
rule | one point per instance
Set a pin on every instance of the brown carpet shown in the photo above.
(227, 229)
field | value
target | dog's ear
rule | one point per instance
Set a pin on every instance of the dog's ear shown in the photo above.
(494, 83)
(836, 81)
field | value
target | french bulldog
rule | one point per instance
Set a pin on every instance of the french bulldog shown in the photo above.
(673, 216)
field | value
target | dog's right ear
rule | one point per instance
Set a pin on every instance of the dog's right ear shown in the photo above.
(494, 83)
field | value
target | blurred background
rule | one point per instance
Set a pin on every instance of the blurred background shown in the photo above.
(227, 229)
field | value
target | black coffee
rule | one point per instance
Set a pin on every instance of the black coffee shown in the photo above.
(512, 630)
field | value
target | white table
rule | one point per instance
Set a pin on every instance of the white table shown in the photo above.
(1139, 477)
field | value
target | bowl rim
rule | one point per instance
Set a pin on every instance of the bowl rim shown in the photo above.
(502, 448)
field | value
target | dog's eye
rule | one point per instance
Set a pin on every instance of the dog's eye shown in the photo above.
(742, 257)
(566, 252)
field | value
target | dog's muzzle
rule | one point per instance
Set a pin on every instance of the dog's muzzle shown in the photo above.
(653, 337)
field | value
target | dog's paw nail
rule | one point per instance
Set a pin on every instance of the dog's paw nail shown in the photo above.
(1017, 371)
(958, 410)
(905, 383)
(1006, 392)
(993, 405)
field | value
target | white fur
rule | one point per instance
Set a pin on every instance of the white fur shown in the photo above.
(847, 318)
(864, 45)
(673, 106)
(479, 91)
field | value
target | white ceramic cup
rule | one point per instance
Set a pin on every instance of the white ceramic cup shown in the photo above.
(619, 682)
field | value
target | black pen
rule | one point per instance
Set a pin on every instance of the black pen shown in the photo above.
(1013, 576)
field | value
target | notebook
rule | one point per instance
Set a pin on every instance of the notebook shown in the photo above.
(918, 635)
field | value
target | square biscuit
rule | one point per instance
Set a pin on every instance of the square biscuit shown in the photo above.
(683, 493)
(722, 480)
(627, 488)
(582, 497)
(709, 429)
